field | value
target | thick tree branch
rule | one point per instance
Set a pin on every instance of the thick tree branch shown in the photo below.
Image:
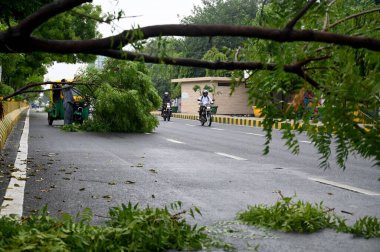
(296, 68)
(37, 84)
(353, 16)
(33, 44)
(299, 15)
(30, 23)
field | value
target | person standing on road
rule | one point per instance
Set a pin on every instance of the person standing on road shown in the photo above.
(68, 102)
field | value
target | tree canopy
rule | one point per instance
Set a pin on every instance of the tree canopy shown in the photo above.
(20, 68)
(327, 49)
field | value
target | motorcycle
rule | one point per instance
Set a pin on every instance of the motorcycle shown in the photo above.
(167, 112)
(206, 116)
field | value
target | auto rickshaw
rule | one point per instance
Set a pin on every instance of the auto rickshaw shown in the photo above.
(56, 110)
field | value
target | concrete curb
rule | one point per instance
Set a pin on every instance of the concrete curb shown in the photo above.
(7, 124)
(242, 121)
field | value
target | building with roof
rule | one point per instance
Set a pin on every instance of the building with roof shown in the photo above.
(235, 104)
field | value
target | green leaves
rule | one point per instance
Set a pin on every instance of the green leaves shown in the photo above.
(303, 217)
(130, 228)
(124, 98)
(348, 81)
(367, 227)
(289, 216)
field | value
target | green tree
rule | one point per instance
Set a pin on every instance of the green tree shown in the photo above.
(232, 12)
(124, 97)
(215, 55)
(163, 74)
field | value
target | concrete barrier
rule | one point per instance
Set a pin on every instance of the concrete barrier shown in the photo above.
(12, 112)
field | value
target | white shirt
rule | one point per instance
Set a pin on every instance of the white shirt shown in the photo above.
(204, 100)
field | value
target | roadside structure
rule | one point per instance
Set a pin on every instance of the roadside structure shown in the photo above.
(235, 104)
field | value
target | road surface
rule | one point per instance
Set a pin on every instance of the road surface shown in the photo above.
(219, 169)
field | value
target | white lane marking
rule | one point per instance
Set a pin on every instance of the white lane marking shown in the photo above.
(174, 141)
(14, 196)
(147, 133)
(346, 187)
(308, 142)
(255, 134)
(216, 129)
(191, 125)
(231, 156)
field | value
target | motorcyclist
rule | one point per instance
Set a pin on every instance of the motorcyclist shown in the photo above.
(165, 100)
(204, 99)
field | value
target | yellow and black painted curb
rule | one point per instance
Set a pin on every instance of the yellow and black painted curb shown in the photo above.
(7, 124)
(242, 121)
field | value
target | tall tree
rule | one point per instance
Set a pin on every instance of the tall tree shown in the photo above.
(163, 74)
(230, 12)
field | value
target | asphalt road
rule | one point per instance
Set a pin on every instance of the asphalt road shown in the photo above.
(220, 169)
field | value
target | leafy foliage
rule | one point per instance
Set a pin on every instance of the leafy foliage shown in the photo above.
(19, 9)
(215, 55)
(163, 74)
(345, 95)
(367, 227)
(303, 217)
(5, 90)
(71, 127)
(19, 69)
(130, 228)
(236, 12)
(124, 98)
(290, 216)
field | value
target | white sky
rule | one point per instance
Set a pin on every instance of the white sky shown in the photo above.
(148, 12)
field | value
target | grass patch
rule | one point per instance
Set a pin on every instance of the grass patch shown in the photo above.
(289, 215)
(130, 228)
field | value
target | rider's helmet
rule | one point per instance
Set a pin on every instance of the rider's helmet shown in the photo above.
(166, 94)
(205, 92)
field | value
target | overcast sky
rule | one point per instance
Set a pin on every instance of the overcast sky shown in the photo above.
(140, 12)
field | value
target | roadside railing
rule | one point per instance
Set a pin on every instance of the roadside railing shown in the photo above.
(10, 113)
(10, 106)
